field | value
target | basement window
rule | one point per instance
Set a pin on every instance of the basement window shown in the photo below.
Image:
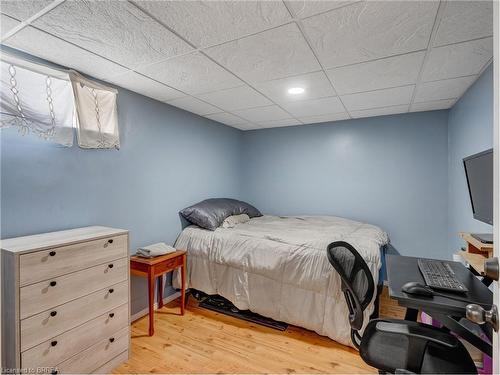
(52, 103)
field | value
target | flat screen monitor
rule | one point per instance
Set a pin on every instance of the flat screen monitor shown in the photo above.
(479, 174)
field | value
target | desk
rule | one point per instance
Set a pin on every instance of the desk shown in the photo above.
(155, 267)
(401, 269)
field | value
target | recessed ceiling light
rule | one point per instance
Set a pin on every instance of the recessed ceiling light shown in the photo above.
(296, 90)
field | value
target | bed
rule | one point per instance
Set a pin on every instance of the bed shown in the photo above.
(276, 266)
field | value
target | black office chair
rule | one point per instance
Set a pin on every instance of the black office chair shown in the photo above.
(390, 345)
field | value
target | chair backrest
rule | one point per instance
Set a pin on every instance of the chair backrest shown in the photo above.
(357, 281)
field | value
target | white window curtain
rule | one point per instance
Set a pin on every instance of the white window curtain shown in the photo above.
(37, 100)
(96, 113)
(52, 102)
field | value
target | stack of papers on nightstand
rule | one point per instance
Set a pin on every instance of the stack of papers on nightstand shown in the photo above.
(154, 250)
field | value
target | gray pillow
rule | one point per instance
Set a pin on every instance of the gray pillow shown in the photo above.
(210, 213)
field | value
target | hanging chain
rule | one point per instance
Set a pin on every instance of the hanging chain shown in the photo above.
(24, 124)
(24, 127)
(101, 143)
(50, 132)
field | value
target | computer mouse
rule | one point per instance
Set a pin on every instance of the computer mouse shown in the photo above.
(418, 289)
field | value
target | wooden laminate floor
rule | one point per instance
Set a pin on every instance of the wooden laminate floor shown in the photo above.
(203, 341)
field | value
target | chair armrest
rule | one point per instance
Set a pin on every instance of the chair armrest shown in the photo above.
(417, 331)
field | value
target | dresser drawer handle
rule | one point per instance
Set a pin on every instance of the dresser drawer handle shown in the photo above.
(111, 339)
(53, 313)
(52, 253)
(53, 283)
(111, 290)
(111, 315)
(110, 265)
(110, 241)
(53, 343)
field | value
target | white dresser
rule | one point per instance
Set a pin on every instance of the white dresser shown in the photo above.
(65, 301)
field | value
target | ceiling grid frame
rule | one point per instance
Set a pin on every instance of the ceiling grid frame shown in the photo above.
(31, 19)
(306, 38)
(432, 37)
(199, 49)
(297, 20)
(129, 70)
(56, 3)
(215, 62)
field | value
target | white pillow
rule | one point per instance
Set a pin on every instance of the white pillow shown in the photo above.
(234, 220)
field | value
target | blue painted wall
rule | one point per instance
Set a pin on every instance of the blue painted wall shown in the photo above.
(390, 171)
(169, 158)
(470, 130)
(400, 172)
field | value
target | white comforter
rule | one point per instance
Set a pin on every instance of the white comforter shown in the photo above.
(277, 267)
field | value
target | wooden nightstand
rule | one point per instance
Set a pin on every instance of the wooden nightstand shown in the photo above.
(154, 267)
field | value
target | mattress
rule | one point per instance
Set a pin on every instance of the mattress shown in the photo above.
(277, 266)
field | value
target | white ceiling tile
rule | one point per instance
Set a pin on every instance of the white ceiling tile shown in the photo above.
(113, 29)
(315, 107)
(146, 86)
(48, 47)
(194, 105)
(7, 24)
(445, 89)
(272, 54)
(324, 118)
(465, 20)
(457, 60)
(378, 98)
(206, 23)
(433, 105)
(227, 118)
(261, 114)
(236, 98)
(279, 123)
(389, 72)
(391, 110)
(248, 126)
(307, 8)
(316, 85)
(370, 30)
(22, 10)
(372, 50)
(193, 73)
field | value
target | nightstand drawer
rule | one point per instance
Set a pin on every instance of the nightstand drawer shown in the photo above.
(59, 290)
(59, 348)
(96, 356)
(43, 326)
(46, 264)
(169, 264)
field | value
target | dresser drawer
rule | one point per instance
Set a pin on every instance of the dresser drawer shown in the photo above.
(46, 264)
(108, 367)
(59, 348)
(45, 325)
(46, 294)
(97, 355)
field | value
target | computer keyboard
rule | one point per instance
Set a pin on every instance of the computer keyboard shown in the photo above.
(439, 275)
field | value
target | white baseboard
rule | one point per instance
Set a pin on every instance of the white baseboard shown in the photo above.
(145, 311)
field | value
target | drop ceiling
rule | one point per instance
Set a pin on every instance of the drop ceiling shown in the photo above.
(234, 61)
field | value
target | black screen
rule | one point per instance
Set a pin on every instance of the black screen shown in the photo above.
(479, 173)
